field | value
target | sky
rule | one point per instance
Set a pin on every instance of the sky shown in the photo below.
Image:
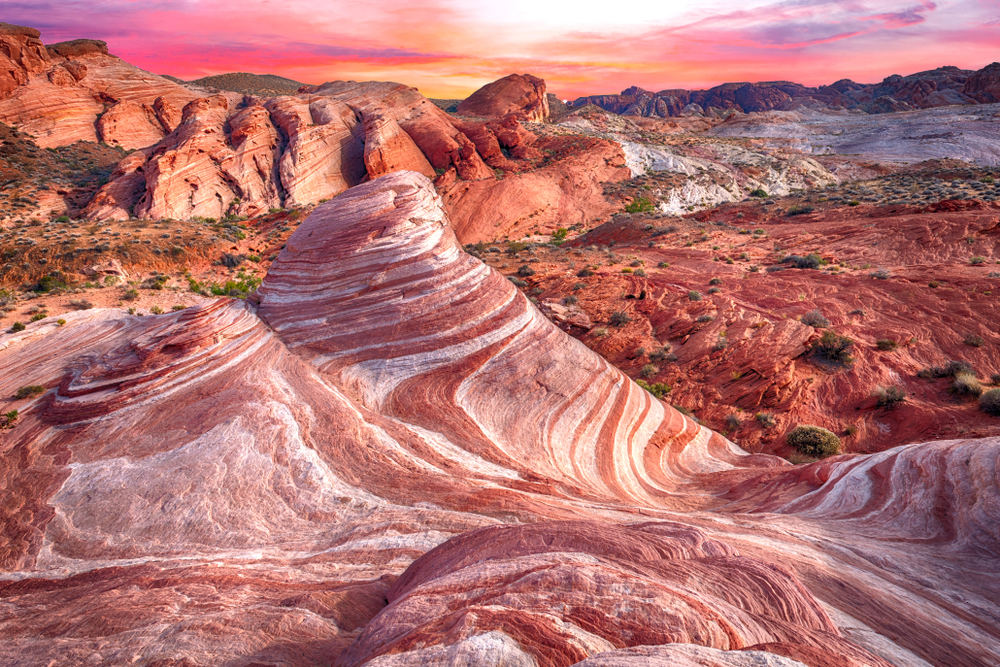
(449, 48)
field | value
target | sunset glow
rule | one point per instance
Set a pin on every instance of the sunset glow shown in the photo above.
(448, 48)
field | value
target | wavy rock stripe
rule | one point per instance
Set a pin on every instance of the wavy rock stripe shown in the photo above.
(392, 458)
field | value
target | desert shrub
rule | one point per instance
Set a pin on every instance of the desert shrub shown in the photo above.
(619, 318)
(8, 418)
(889, 397)
(977, 260)
(571, 300)
(701, 319)
(813, 441)
(834, 347)
(80, 304)
(524, 271)
(37, 317)
(799, 209)
(733, 422)
(967, 384)
(661, 354)
(559, 236)
(950, 369)
(517, 281)
(584, 273)
(626, 270)
(880, 274)
(130, 294)
(663, 265)
(17, 326)
(155, 282)
(850, 429)
(815, 319)
(231, 261)
(694, 295)
(29, 390)
(722, 343)
(934, 284)
(995, 379)
(60, 321)
(812, 261)
(515, 247)
(641, 273)
(759, 193)
(156, 310)
(886, 345)
(657, 389)
(649, 370)
(640, 205)
(989, 402)
(714, 290)
(973, 340)
(177, 307)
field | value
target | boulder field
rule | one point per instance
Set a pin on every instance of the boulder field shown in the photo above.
(389, 456)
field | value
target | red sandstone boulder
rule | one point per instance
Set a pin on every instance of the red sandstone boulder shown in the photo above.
(520, 94)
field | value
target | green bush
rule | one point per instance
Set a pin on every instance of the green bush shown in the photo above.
(815, 319)
(657, 389)
(766, 419)
(759, 193)
(889, 397)
(989, 402)
(619, 319)
(694, 295)
(524, 271)
(649, 370)
(834, 347)
(973, 340)
(813, 441)
(29, 391)
(886, 345)
(559, 236)
(584, 273)
(967, 384)
(17, 326)
(640, 205)
(950, 369)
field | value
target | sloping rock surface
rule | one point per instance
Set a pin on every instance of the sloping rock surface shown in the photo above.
(390, 457)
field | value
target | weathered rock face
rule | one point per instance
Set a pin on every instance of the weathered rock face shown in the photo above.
(59, 94)
(278, 484)
(21, 55)
(335, 136)
(984, 85)
(520, 94)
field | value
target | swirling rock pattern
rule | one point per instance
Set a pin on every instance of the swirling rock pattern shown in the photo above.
(390, 457)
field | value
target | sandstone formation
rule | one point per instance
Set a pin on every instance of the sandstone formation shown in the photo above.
(390, 457)
(520, 94)
(61, 93)
(251, 155)
(984, 85)
(940, 87)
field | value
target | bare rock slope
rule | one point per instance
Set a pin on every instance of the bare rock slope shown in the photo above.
(392, 458)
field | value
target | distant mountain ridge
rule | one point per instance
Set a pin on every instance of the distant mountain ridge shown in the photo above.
(251, 84)
(939, 87)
